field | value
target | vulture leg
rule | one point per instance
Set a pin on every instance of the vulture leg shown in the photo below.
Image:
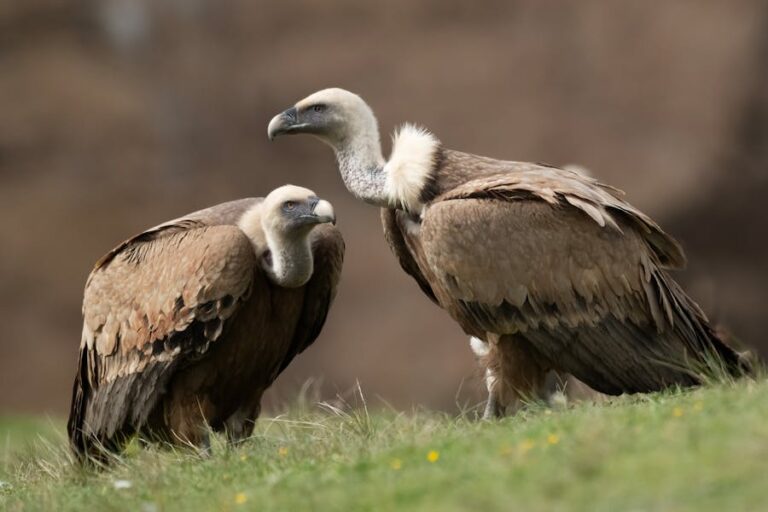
(563, 388)
(515, 373)
(555, 387)
(482, 351)
(493, 409)
(203, 444)
(239, 426)
(560, 388)
(186, 419)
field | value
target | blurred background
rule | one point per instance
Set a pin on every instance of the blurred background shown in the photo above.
(116, 115)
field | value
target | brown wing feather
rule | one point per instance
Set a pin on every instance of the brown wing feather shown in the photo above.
(159, 300)
(572, 268)
(320, 291)
(604, 204)
(221, 214)
(393, 222)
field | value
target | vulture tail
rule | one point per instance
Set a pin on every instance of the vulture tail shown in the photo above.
(711, 357)
(677, 348)
(80, 393)
(87, 447)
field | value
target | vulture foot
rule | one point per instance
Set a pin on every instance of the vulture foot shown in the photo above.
(514, 373)
(493, 409)
(204, 446)
(239, 426)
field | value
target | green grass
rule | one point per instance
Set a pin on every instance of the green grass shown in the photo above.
(705, 449)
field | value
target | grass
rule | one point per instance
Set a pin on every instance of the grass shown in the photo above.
(705, 449)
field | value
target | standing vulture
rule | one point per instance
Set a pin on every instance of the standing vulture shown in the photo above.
(187, 324)
(551, 268)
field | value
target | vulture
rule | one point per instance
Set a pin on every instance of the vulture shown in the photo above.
(548, 268)
(188, 323)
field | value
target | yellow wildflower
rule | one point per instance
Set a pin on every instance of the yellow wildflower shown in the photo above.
(282, 451)
(240, 498)
(553, 438)
(396, 464)
(677, 412)
(243, 457)
(698, 406)
(432, 456)
(525, 446)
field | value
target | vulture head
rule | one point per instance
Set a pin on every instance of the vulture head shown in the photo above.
(345, 122)
(335, 116)
(280, 227)
(294, 210)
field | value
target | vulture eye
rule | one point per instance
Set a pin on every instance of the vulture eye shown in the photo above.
(289, 206)
(319, 107)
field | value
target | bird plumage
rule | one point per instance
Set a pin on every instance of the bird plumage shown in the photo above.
(184, 328)
(551, 267)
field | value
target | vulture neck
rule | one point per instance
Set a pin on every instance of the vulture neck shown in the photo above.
(362, 166)
(289, 263)
(286, 257)
(400, 182)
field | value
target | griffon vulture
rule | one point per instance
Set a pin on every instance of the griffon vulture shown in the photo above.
(188, 323)
(551, 268)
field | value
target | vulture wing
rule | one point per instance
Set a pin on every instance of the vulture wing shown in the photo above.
(553, 257)
(155, 302)
(319, 292)
(391, 221)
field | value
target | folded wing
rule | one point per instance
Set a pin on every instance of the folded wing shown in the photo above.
(571, 267)
(155, 303)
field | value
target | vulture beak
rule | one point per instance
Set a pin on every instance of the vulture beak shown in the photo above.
(285, 123)
(323, 212)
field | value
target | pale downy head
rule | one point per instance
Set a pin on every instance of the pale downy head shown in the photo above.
(345, 122)
(280, 227)
(334, 115)
(289, 210)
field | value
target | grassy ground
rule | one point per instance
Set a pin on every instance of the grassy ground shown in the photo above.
(701, 450)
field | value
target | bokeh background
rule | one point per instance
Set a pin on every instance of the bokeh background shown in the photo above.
(116, 115)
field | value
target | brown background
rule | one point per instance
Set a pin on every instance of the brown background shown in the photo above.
(118, 114)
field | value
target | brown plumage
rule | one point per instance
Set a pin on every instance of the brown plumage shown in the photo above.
(553, 269)
(187, 324)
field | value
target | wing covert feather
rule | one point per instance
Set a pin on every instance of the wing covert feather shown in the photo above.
(590, 295)
(560, 261)
(393, 223)
(152, 289)
(604, 204)
(563, 265)
(158, 300)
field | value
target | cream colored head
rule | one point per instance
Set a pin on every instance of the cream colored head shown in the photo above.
(334, 115)
(279, 228)
(289, 210)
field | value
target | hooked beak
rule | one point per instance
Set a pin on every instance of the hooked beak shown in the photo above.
(285, 123)
(323, 212)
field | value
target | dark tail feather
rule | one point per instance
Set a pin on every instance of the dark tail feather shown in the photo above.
(706, 346)
(80, 392)
(87, 447)
(618, 356)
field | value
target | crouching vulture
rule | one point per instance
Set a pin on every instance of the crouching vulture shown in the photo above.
(187, 324)
(549, 267)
